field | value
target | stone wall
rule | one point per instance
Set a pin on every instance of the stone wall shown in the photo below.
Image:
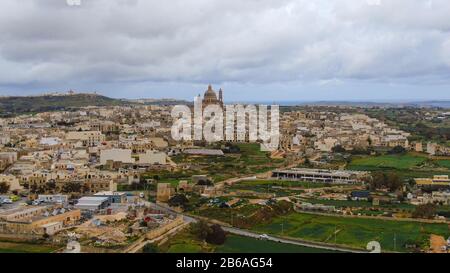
(155, 233)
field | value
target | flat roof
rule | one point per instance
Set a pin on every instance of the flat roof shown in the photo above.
(110, 193)
(318, 172)
(92, 198)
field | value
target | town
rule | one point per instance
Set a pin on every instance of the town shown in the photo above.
(106, 179)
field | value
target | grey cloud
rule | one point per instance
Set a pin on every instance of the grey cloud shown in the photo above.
(46, 42)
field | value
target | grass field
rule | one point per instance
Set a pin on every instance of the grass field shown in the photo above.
(239, 244)
(375, 163)
(354, 232)
(186, 243)
(444, 163)
(9, 247)
(407, 166)
(185, 248)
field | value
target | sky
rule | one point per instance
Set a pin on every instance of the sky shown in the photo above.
(255, 50)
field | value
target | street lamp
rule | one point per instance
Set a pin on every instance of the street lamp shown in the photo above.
(395, 241)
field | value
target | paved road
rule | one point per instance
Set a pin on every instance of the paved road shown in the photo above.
(250, 234)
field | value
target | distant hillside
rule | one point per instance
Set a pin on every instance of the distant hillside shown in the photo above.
(369, 104)
(21, 105)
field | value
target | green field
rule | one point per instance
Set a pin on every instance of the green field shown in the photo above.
(376, 163)
(444, 163)
(360, 204)
(186, 243)
(185, 248)
(239, 244)
(9, 247)
(226, 215)
(354, 232)
(407, 166)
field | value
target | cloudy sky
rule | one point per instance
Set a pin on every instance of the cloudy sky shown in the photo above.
(256, 50)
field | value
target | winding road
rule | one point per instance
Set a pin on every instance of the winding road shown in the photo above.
(255, 235)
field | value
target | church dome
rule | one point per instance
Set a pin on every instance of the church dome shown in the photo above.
(210, 94)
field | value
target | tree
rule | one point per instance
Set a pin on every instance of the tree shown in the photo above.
(200, 229)
(338, 149)
(150, 248)
(427, 211)
(216, 236)
(307, 161)
(34, 188)
(397, 150)
(205, 182)
(50, 185)
(382, 180)
(377, 181)
(393, 182)
(211, 234)
(4, 187)
(71, 187)
(178, 200)
(86, 188)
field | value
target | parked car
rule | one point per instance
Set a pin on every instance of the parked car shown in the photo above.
(36, 202)
(7, 201)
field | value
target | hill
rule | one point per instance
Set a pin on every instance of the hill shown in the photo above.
(10, 106)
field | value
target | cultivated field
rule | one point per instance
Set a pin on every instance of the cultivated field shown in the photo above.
(239, 244)
(354, 232)
(375, 163)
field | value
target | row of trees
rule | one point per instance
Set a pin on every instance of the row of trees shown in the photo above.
(367, 150)
(69, 187)
(213, 234)
(427, 211)
(382, 180)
